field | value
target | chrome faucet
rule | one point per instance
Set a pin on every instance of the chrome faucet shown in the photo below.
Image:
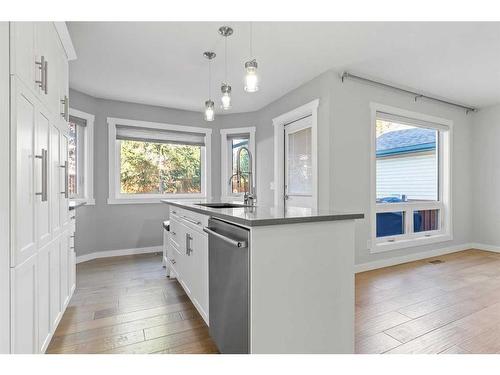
(249, 197)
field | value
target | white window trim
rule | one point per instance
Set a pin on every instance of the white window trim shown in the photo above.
(225, 162)
(115, 197)
(445, 191)
(308, 109)
(88, 173)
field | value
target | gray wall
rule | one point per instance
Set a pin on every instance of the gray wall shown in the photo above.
(344, 121)
(124, 226)
(343, 162)
(486, 176)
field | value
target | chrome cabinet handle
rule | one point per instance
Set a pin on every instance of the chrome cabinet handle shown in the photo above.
(224, 238)
(41, 66)
(65, 112)
(44, 159)
(188, 249)
(191, 220)
(66, 179)
(46, 71)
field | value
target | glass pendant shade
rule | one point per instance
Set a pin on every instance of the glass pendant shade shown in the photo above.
(209, 110)
(226, 96)
(251, 78)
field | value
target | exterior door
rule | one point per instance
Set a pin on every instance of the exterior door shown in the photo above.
(298, 164)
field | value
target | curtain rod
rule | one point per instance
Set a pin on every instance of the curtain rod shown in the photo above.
(415, 94)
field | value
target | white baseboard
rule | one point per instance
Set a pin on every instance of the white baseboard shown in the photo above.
(485, 247)
(117, 253)
(417, 256)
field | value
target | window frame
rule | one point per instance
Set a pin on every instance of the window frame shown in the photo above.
(87, 161)
(114, 194)
(443, 204)
(226, 165)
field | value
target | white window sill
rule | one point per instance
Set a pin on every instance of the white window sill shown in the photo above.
(414, 242)
(152, 200)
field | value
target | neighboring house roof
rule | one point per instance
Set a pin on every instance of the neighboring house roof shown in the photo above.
(406, 141)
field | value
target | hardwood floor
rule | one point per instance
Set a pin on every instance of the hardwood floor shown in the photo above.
(127, 305)
(452, 306)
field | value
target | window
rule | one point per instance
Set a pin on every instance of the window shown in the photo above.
(149, 161)
(232, 140)
(411, 197)
(80, 156)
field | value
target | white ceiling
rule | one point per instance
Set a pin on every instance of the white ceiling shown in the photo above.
(161, 63)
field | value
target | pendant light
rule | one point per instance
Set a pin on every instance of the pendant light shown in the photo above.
(209, 104)
(251, 78)
(225, 88)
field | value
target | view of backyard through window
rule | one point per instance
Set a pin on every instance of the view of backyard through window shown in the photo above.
(407, 172)
(159, 168)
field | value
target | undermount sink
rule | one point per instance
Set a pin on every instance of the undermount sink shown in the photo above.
(222, 205)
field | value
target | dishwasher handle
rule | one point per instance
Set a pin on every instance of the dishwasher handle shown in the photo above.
(235, 243)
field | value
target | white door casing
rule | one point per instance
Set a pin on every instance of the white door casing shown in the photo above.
(279, 123)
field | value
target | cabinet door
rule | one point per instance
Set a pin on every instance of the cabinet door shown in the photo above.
(64, 258)
(43, 233)
(55, 283)
(23, 119)
(44, 291)
(63, 185)
(197, 258)
(55, 178)
(22, 53)
(23, 307)
(72, 271)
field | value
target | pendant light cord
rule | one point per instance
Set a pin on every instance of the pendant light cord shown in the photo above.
(251, 40)
(225, 60)
(209, 78)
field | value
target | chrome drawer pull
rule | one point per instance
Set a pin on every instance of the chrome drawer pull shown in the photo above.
(44, 158)
(191, 220)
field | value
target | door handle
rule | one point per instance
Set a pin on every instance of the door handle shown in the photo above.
(44, 159)
(224, 238)
(66, 179)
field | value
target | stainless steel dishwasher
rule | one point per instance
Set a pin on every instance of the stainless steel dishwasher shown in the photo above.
(228, 261)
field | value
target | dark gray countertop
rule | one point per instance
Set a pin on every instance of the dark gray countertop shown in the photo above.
(265, 215)
(76, 204)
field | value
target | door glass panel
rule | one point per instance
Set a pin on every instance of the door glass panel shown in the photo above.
(390, 223)
(425, 220)
(300, 163)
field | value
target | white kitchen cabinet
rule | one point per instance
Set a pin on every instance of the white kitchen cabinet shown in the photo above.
(43, 296)
(63, 181)
(23, 54)
(43, 125)
(55, 284)
(42, 264)
(64, 280)
(23, 124)
(24, 318)
(188, 248)
(55, 188)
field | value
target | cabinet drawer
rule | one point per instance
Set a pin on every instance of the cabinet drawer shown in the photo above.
(191, 219)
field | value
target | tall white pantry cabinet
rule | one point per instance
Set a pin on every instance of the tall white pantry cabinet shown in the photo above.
(42, 263)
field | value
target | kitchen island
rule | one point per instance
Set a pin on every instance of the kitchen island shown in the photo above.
(267, 279)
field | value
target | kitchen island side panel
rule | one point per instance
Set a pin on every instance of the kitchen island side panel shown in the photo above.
(302, 288)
